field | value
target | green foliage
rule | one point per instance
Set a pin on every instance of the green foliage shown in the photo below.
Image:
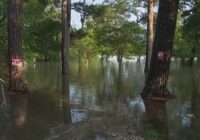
(128, 37)
(187, 33)
(3, 25)
(42, 28)
(191, 26)
(3, 36)
(85, 47)
(181, 47)
(115, 33)
(108, 30)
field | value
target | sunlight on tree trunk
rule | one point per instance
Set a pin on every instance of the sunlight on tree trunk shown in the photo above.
(150, 34)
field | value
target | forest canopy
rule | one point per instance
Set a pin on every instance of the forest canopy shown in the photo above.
(108, 28)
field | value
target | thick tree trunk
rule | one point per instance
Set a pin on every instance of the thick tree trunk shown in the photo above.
(66, 19)
(162, 50)
(16, 63)
(150, 34)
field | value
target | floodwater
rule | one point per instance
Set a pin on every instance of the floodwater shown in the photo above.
(100, 90)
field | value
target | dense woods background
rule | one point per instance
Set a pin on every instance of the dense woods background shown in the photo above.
(124, 20)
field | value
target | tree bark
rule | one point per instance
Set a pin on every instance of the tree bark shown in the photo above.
(17, 80)
(150, 34)
(66, 19)
(162, 49)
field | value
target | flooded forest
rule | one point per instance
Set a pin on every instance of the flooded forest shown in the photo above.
(99, 70)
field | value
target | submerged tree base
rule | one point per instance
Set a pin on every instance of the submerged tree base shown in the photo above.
(161, 98)
(158, 97)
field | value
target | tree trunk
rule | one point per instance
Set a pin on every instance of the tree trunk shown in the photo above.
(119, 58)
(102, 57)
(17, 80)
(182, 61)
(103, 78)
(150, 34)
(139, 59)
(198, 59)
(66, 19)
(198, 54)
(162, 50)
(191, 60)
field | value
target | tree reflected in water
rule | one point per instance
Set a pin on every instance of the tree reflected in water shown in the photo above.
(156, 119)
(19, 107)
(65, 99)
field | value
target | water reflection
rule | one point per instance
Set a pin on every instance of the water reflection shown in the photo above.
(65, 100)
(99, 91)
(189, 110)
(157, 125)
(14, 120)
(195, 107)
(6, 123)
(19, 106)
